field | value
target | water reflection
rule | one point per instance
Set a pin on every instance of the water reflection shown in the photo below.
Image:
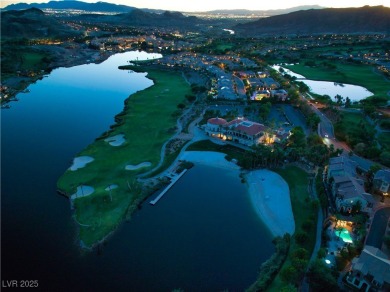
(354, 92)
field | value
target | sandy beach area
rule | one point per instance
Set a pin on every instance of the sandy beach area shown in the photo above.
(270, 196)
(268, 192)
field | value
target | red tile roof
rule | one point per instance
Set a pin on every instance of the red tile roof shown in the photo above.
(217, 121)
(247, 127)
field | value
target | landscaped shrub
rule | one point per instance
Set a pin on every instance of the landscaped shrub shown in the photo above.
(270, 268)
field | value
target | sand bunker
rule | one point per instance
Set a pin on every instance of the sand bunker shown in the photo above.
(117, 140)
(270, 196)
(80, 162)
(111, 187)
(82, 191)
(135, 167)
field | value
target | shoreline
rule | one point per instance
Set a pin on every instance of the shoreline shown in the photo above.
(272, 205)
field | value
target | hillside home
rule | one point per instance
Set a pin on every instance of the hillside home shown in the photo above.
(370, 271)
(239, 130)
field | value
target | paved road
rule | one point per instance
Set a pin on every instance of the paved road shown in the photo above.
(378, 228)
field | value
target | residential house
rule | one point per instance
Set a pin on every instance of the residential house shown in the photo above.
(270, 82)
(382, 181)
(346, 188)
(370, 271)
(280, 94)
(348, 192)
(282, 134)
(260, 94)
(341, 166)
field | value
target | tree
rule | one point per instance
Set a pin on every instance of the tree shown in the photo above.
(347, 102)
(289, 274)
(301, 237)
(357, 207)
(297, 138)
(321, 278)
(370, 176)
(386, 240)
(385, 158)
(264, 110)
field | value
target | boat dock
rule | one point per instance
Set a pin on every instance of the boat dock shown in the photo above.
(174, 180)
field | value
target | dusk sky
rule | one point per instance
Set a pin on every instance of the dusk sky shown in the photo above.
(206, 5)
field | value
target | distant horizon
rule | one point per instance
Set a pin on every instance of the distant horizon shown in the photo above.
(204, 6)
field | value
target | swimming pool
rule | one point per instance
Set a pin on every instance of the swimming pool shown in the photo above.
(343, 233)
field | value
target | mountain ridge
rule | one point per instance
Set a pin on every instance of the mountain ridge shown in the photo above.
(329, 20)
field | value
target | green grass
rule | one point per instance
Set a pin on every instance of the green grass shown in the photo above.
(357, 74)
(297, 180)
(32, 60)
(148, 122)
(351, 127)
(223, 47)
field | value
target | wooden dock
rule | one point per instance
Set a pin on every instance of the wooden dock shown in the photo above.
(174, 180)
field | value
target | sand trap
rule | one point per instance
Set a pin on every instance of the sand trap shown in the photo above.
(82, 191)
(270, 196)
(117, 140)
(111, 187)
(80, 162)
(135, 167)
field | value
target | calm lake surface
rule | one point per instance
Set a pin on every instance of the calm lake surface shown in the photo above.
(354, 92)
(203, 235)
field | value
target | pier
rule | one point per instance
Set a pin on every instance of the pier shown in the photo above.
(174, 180)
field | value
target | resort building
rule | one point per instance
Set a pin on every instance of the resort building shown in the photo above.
(239, 130)
(370, 271)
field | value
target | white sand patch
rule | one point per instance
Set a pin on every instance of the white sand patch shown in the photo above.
(111, 187)
(82, 191)
(80, 162)
(270, 196)
(138, 166)
(210, 158)
(116, 141)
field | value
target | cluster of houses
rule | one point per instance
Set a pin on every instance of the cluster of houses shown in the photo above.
(224, 82)
(243, 131)
(371, 270)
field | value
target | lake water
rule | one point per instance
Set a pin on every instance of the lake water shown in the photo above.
(203, 234)
(354, 92)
